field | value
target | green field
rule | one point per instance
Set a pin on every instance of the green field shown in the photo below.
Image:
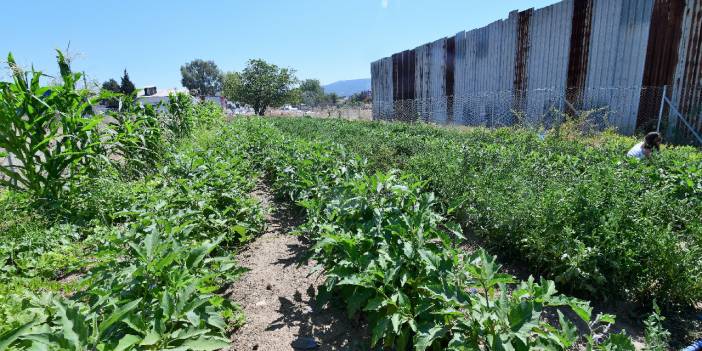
(125, 235)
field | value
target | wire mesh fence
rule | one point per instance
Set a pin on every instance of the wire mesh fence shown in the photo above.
(350, 112)
(626, 110)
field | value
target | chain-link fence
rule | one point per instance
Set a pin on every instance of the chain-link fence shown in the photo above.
(627, 110)
(350, 112)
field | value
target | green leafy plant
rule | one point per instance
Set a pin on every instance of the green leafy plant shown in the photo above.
(180, 114)
(657, 337)
(137, 140)
(570, 206)
(389, 255)
(47, 130)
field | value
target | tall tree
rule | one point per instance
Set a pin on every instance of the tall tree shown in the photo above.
(230, 83)
(127, 87)
(111, 86)
(311, 92)
(202, 78)
(332, 98)
(262, 85)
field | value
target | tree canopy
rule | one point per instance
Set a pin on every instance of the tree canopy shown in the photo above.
(311, 92)
(202, 78)
(261, 85)
(230, 83)
(127, 87)
(111, 85)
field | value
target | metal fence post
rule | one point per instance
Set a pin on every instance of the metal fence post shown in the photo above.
(660, 111)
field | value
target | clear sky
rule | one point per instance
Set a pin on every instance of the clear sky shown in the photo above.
(325, 39)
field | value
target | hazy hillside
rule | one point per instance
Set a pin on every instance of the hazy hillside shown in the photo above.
(348, 87)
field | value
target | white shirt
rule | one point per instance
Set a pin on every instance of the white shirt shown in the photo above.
(637, 151)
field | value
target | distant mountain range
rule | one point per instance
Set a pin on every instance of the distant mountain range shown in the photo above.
(348, 87)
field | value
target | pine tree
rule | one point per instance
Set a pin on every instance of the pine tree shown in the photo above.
(127, 86)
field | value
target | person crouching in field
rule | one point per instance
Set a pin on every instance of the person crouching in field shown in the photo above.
(643, 149)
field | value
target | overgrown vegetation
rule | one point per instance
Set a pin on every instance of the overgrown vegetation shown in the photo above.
(141, 212)
(390, 255)
(571, 207)
(139, 235)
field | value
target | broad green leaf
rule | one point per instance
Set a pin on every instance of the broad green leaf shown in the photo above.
(7, 338)
(205, 343)
(118, 315)
(127, 341)
(375, 304)
(426, 337)
(151, 338)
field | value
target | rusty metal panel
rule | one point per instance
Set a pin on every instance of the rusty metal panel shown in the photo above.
(449, 76)
(521, 58)
(547, 62)
(616, 59)
(581, 27)
(687, 88)
(661, 57)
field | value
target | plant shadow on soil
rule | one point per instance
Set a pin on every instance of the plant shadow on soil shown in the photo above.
(279, 292)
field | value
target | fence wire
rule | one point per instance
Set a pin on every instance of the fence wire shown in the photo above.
(627, 110)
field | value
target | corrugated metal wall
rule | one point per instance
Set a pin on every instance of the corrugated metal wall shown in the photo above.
(421, 78)
(382, 88)
(616, 59)
(437, 81)
(484, 67)
(687, 88)
(574, 54)
(547, 62)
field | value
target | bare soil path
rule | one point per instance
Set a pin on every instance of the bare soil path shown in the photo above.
(278, 296)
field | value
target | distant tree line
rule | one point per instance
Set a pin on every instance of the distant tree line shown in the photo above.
(260, 84)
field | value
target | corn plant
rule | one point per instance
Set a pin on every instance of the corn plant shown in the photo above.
(47, 130)
(137, 139)
(180, 114)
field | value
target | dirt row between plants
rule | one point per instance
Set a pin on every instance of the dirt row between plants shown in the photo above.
(278, 295)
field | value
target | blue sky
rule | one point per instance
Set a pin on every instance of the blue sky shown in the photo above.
(325, 39)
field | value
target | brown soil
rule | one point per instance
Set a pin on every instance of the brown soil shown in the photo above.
(278, 295)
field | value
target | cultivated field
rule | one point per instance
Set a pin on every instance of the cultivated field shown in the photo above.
(181, 230)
